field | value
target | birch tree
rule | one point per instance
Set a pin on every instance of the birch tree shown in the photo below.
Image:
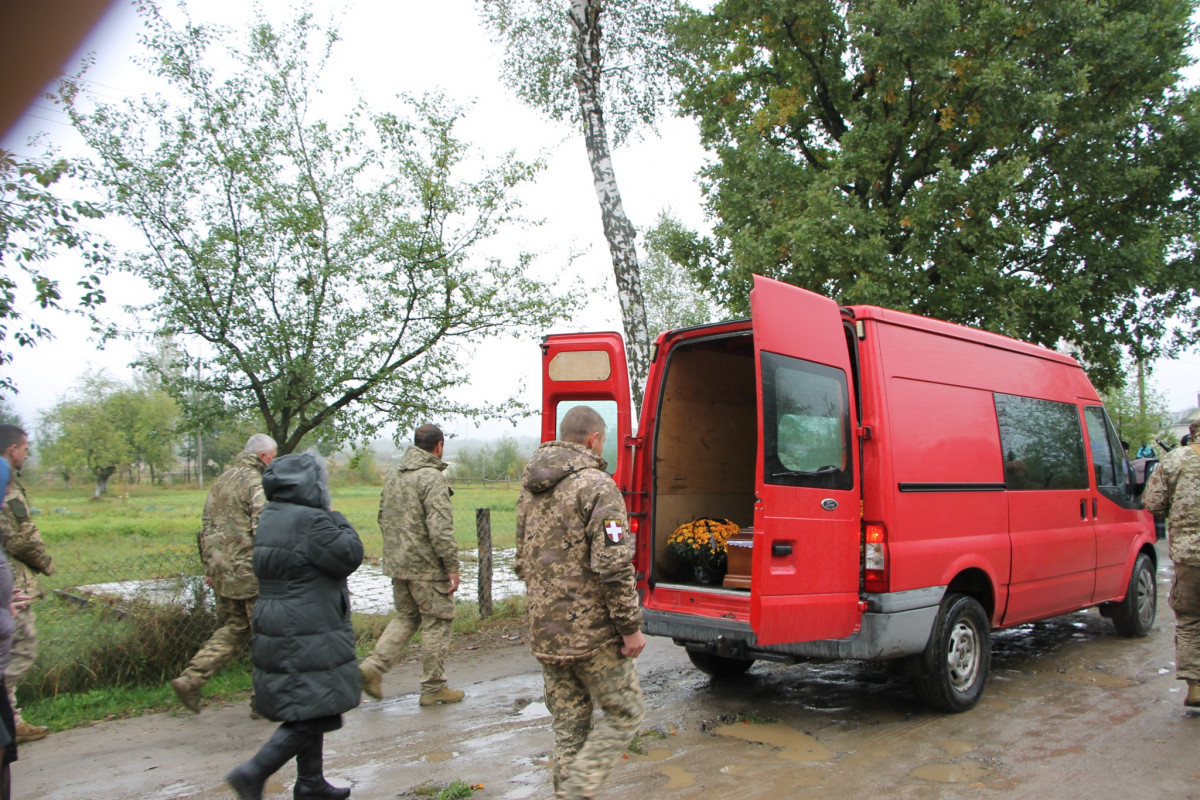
(602, 66)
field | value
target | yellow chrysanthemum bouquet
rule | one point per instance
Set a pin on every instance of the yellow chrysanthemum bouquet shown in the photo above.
(700, 545)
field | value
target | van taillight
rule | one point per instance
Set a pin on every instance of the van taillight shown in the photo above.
(875, 572)
(635, 526)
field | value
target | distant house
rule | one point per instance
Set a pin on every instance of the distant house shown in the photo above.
(1182, 420)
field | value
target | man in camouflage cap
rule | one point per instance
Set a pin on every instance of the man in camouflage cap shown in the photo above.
(420, 555)
(575, 557)
(26, 553)
(1173, 491)
(226, 541)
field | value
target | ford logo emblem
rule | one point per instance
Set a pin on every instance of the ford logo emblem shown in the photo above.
(829, 504)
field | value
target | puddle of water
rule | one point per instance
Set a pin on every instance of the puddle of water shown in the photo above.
(793, 745)
(1088, 676)
(371, 590)
(655, 754)
(951, 773)
(677, 777)
(956, 748)
(435, 757)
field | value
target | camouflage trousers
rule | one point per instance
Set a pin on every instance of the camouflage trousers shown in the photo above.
(22, 655)
(419, 604)
(226, 643)
(1185, 602)
(586, 751)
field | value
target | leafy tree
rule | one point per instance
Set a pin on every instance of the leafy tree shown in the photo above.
(1138, 411)
(595, 63)
(1026, 167)
(104, 426)
(332, 272)
(36, 225)
(8, 414)
(673, 297)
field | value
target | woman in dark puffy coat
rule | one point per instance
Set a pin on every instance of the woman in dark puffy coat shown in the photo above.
(305, 672)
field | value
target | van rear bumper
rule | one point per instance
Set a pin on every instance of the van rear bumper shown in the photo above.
(903, 629)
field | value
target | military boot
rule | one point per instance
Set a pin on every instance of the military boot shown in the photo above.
(187, 693)
(372, 681)
(30, 733)
(442, 695)
(1193, 694)
(310, 775)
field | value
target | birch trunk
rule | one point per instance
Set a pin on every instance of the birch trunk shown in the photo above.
(618, 230)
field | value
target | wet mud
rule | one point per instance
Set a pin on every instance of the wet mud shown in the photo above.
(1071, 710)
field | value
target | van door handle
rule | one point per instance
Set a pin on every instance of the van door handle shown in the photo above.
(1094, 515)
(1083, 509)
(781, 549)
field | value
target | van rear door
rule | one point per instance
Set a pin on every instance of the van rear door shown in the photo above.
(588, 369)
(807, 529)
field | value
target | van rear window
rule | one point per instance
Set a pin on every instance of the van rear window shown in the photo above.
(1042, 442)
(806, 424)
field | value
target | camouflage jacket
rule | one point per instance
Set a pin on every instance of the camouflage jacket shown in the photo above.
(417, 520)
(1173, 491)
(22, 542)
(574, 555)
(231, 513)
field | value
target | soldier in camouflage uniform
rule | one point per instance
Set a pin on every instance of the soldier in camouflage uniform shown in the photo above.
(1173, 491)
(226, 541)
(26, 553)
(575, 557)
(420, 555)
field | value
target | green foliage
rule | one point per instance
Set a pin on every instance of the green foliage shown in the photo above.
(105, 426)
(505, 460)
(333, 270)
(673, 297)
(8, 414)
(35, 226)
(1028, 168)
(1139, 414)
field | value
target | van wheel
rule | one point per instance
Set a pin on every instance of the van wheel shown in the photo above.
(1134, 616)
(956, 662)
(719, 666)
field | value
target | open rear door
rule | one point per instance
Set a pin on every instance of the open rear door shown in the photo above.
(588, 369)
(807, 526)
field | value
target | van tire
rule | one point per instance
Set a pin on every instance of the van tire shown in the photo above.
(719, 666)
(958, 658)
(1134, 616)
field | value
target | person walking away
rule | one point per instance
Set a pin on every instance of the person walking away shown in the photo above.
(420, 555)
(22, 545)
(226, 543)
(305, 668)
(17, 600)
(575, 557)
(1173, 491)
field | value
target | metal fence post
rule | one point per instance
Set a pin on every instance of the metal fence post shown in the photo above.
(483, 531)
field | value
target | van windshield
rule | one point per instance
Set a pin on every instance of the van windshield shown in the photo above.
(806, 424)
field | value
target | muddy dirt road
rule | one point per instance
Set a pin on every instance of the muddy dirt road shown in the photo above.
(1071, 711)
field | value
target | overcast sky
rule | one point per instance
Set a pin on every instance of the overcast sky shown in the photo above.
(394, 46)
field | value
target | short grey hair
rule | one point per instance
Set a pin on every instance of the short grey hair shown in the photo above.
(260, 444)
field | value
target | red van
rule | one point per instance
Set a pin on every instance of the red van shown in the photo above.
(903, 486)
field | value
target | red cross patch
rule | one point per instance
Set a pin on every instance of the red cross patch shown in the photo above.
(614, 531)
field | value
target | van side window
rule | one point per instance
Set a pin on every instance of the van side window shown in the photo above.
(806, 424)
(1108, 458)
(1042, 442)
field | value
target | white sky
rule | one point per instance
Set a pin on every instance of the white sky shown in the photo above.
(394, 46)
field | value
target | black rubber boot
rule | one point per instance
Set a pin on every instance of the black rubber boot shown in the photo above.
(248, 778)
(310, 774)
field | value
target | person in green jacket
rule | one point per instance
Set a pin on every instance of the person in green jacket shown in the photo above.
(420, 555)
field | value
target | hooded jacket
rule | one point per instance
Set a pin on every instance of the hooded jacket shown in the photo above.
(574, 554)
(303, 644)
(417, 520)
